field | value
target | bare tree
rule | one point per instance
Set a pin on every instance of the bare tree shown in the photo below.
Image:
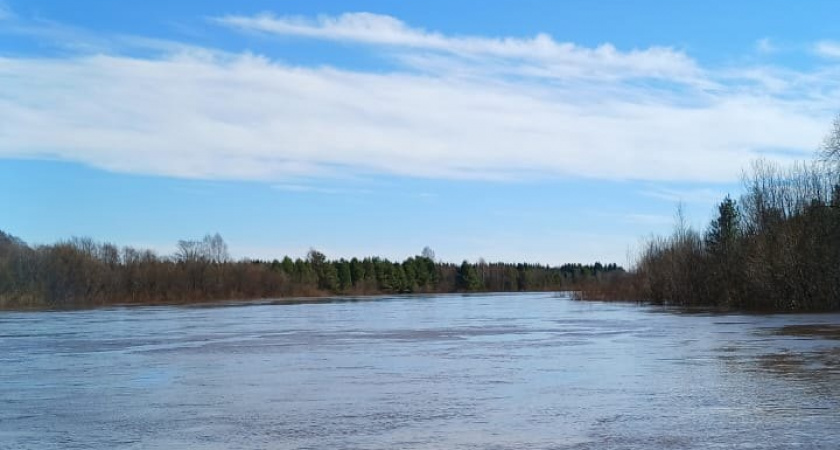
(215, 249)
(188, 251)
(830, 150)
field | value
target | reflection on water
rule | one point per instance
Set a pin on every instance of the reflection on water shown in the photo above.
(477, 372)
(816, 363)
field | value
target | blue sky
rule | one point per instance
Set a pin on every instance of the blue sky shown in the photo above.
(536, 131)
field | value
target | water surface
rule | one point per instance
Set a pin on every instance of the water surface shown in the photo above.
(475, 372)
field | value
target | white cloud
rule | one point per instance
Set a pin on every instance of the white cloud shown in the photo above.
(827, 49)
(552, 58)
(245, 117)
(199, 113)
(311, 189)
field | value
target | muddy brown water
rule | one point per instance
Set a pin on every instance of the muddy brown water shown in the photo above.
(530, 371)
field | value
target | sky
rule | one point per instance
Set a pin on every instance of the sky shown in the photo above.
(538, 131)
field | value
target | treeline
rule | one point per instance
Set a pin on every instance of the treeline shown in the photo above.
(776, 248)
(81, 272)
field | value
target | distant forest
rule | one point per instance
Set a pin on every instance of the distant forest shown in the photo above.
(776, 248)
(81, 272)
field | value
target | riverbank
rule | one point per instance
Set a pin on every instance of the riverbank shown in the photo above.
(82, 272)
(297, 300)
(631, 288)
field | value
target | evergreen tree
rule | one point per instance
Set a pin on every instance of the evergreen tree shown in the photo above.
(345, 275)
(468, 279)
(724, 231)
(357, 271)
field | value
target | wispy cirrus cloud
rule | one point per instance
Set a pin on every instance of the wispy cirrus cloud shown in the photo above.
(703, 195)
(314, 189)
(567, 59)
(827, 49)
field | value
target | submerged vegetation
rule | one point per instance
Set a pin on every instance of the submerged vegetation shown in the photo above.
(81, 272)
(776, 248)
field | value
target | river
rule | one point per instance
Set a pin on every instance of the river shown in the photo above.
(526, 371)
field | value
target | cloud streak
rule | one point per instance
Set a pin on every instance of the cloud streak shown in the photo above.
(564, 58)
(703, 196)
(827, 49)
